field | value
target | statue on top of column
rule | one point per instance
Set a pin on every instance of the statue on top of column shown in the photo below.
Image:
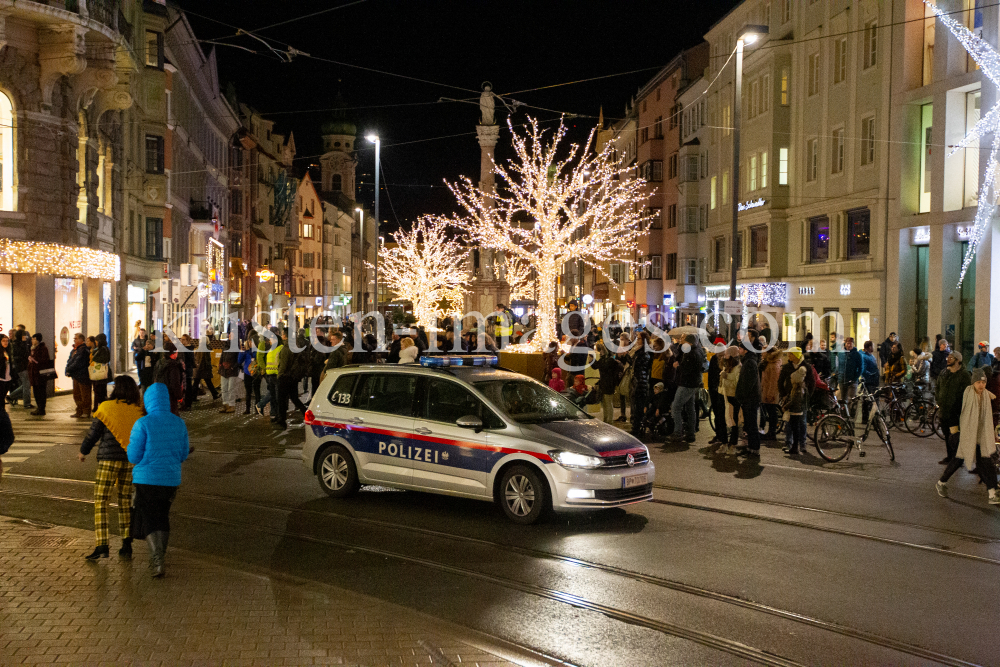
(486, 105)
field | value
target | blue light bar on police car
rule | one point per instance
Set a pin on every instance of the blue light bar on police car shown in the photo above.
(459, 360)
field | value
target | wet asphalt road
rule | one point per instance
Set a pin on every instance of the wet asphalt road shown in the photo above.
(865, 545)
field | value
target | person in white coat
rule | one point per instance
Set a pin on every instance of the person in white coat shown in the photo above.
(408, 351)
(976, 438)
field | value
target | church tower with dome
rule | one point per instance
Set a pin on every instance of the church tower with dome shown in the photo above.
(338, 162)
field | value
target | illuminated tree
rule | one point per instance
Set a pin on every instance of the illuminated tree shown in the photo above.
(517, 273)
(552, 208)
(425, 267)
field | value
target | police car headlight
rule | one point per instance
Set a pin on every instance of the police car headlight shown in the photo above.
(574, 460)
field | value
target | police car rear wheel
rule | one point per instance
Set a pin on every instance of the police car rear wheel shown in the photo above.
(523, 494)
(337, 474)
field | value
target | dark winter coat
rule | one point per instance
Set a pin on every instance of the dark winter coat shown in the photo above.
(6, 432)
(850, 366)
(169, 372)
(884, 350)
(108, 448)
(714, 371)
(869, 370)
(39, 360)
(642, 363)
(77, 364)
(748, 387)
(19, 351)
(821, 362)
(610, 371)
(939, 362)
(950, 389)
(203, 365)
(690, 367)
(785, 379)
(229, 365)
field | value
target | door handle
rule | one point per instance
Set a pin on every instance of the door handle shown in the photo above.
(355, 420)
(422, 431)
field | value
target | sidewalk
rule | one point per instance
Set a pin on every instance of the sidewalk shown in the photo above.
(58, 608)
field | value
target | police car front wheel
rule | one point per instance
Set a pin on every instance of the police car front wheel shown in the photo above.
(524, 495)
(337, 472)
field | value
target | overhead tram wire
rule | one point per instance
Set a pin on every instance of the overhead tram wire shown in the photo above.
(306, 16)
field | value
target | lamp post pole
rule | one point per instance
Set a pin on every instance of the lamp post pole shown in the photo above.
(748, 35)
(364, 269)
(374, 138)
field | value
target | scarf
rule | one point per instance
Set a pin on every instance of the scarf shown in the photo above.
(976, 427)
(119, 418)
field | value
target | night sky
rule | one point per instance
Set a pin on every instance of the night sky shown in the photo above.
(452, 46)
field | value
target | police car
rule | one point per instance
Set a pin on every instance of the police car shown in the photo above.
(459, 426)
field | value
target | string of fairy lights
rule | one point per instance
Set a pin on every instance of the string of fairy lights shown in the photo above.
(58, 260)
(988, 60)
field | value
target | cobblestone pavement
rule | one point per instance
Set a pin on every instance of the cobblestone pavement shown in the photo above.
(57, 608)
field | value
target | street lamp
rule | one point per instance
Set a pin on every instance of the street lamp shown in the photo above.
(378, 144)
(748, 35)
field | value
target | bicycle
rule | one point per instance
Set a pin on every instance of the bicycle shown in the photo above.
(891, 405)
(835, 436)
(920, 418)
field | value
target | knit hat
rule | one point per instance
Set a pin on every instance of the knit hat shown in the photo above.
(799, 376)
(957, 355)
(658, 385)
(795, 352)
(983, 343)
(978, 375)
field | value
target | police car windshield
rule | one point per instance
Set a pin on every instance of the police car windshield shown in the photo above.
(529, 402)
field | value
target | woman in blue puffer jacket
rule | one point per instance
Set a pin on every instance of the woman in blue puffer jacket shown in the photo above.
(157, 447)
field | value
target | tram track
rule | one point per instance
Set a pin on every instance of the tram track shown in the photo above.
(567, 598)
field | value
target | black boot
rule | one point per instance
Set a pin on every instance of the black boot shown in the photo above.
(126, 550)
(156, 549)
(100, 552)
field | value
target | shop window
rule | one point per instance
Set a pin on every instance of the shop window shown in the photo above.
(758, 245)
(858, 233)
(784, 85)
(8, 162)
(819, 239)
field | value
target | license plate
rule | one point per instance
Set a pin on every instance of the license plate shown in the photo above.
(633, 480)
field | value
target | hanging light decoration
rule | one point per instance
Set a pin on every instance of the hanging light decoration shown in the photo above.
(989, 62)
(58, 260)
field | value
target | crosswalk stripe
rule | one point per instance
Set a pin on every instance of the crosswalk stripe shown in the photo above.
(19, 450)
(14, 459)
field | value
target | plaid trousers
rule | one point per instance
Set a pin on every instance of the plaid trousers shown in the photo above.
(109, 475)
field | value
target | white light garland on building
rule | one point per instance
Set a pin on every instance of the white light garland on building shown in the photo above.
(58, 260)
(989, 62)
(556, 206)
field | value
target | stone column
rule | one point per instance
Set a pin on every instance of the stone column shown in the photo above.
(488, 135)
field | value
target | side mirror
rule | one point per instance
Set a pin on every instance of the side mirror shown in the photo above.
(470, 421)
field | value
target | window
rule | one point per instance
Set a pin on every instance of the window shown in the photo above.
(725, 188)
(858, 232)
(675, 114)
(840, 60)
(7, 157)
(784, 87)
(672, 169)
(154, 238)
(812, 159)
(712, 193)
(870, 43)
(763, 170)
(618, 273)
(689, 169)
(671, 216)
(719, 253)
(388, 393)
(643, 135)
(837, 151)
(672, 266)
(447, 402)
(655, 218)
(690, 219)
(868, 140)
(154, 49)
(308, 261)
(766, 14)
(652, 171)
(336, 183)
(758, 245)
(307, 230)
(690, 272)
(154, 154)
(765, 93)
(656, 267)
(658, 126)
(753, 173)
(782, 166)
(819, 239)
(786, 11)
(812, 87)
